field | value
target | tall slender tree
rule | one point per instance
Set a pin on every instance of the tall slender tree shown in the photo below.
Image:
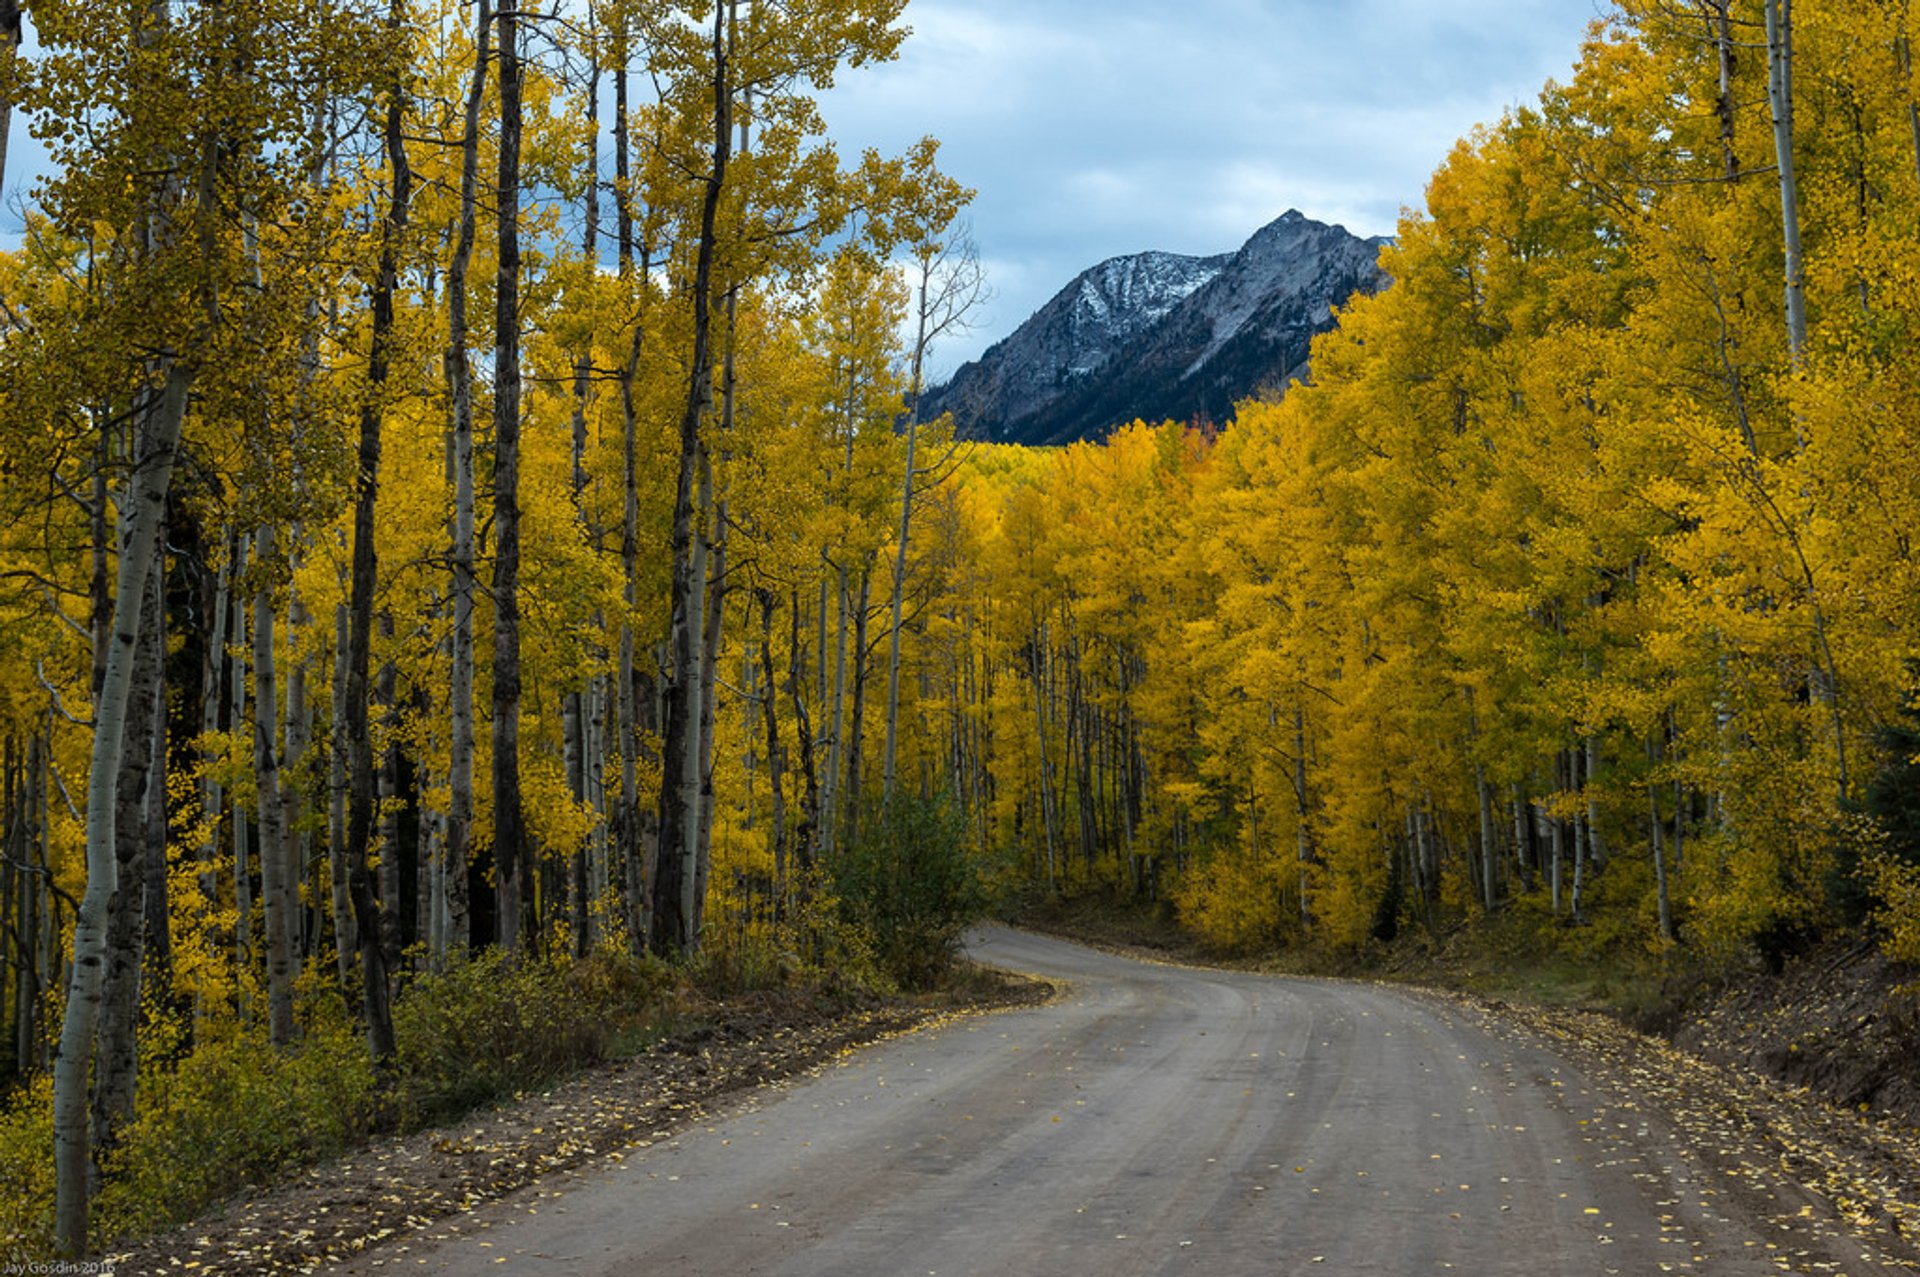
(511, 851)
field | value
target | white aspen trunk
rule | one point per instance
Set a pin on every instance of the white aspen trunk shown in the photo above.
(1303, 835)
(460, 727)
(830, 782)
(212, 794)
(142, 510)
(429, 884)
(460, 742)
(1654, 838)
(275, 872)
(854, 781)
(1484, 793)
(1082, 723)
(776, 754)
(1040, 665)
(1426, 842)
(345, 941)
(157, 921)
(709, 676)
(303, 638)
(573, 754)
(716, 597)
(750, 698)
(387, 791)
(1679, 796)
(1779, 25)
(375, 989)
(693, 773)
(430, 878)
(1556, 836)
(639, 916)
(1582, 836)
(683, 769)
(1489, 849)
(433, 877)
(1520, 844)
(142, 771)
(1720, 24)
(721, 523)
(578, 710)
(1596, 849)
(299, 739)
(637, 912)
(804, 842)
(901, 539)
(242, 829)
(599, 878)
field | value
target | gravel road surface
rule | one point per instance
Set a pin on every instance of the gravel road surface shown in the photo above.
(1153, 1119)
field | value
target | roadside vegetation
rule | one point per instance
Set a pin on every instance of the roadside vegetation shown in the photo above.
(222, 1112)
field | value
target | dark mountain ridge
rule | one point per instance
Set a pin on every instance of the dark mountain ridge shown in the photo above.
(1160, 336)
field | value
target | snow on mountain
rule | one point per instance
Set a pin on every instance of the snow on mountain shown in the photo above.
(1158, 335)
(1072, 337)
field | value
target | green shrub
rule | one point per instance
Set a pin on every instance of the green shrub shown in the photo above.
(26, 1173)
(1882, 829)
(231, 1112)
(909, 882)
(497, 1025)
(234, 1111)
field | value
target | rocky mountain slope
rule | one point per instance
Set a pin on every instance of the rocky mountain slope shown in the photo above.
(1158, 336)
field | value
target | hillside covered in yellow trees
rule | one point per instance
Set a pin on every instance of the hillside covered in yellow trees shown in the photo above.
(1580, 578)
(414, 550)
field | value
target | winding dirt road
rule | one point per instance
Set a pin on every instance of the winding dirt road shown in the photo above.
(1153, 1120)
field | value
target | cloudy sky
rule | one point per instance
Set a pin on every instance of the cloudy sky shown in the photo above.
(1092, 128)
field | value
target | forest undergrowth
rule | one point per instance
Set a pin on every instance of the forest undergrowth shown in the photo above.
(225, 1115)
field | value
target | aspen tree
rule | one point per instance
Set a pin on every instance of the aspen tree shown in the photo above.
(142, 512)
(1779, 26)
(511, 848)
(684, 770)
(147, 220)
(581, 704)
(949, 285)
(369, 924)
(459, 377)
(795, 49)
(275, 870)
(11, 31)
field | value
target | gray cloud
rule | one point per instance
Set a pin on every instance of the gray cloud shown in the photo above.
(1093, 128)
(1098, 127)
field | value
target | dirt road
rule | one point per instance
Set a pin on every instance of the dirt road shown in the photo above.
(1158, 1120)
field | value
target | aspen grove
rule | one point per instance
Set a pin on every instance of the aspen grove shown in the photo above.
(1579, 582)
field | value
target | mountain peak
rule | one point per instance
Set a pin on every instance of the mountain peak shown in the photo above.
(1158, 335)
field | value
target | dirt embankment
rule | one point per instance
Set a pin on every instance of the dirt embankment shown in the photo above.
(1844, 1022)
